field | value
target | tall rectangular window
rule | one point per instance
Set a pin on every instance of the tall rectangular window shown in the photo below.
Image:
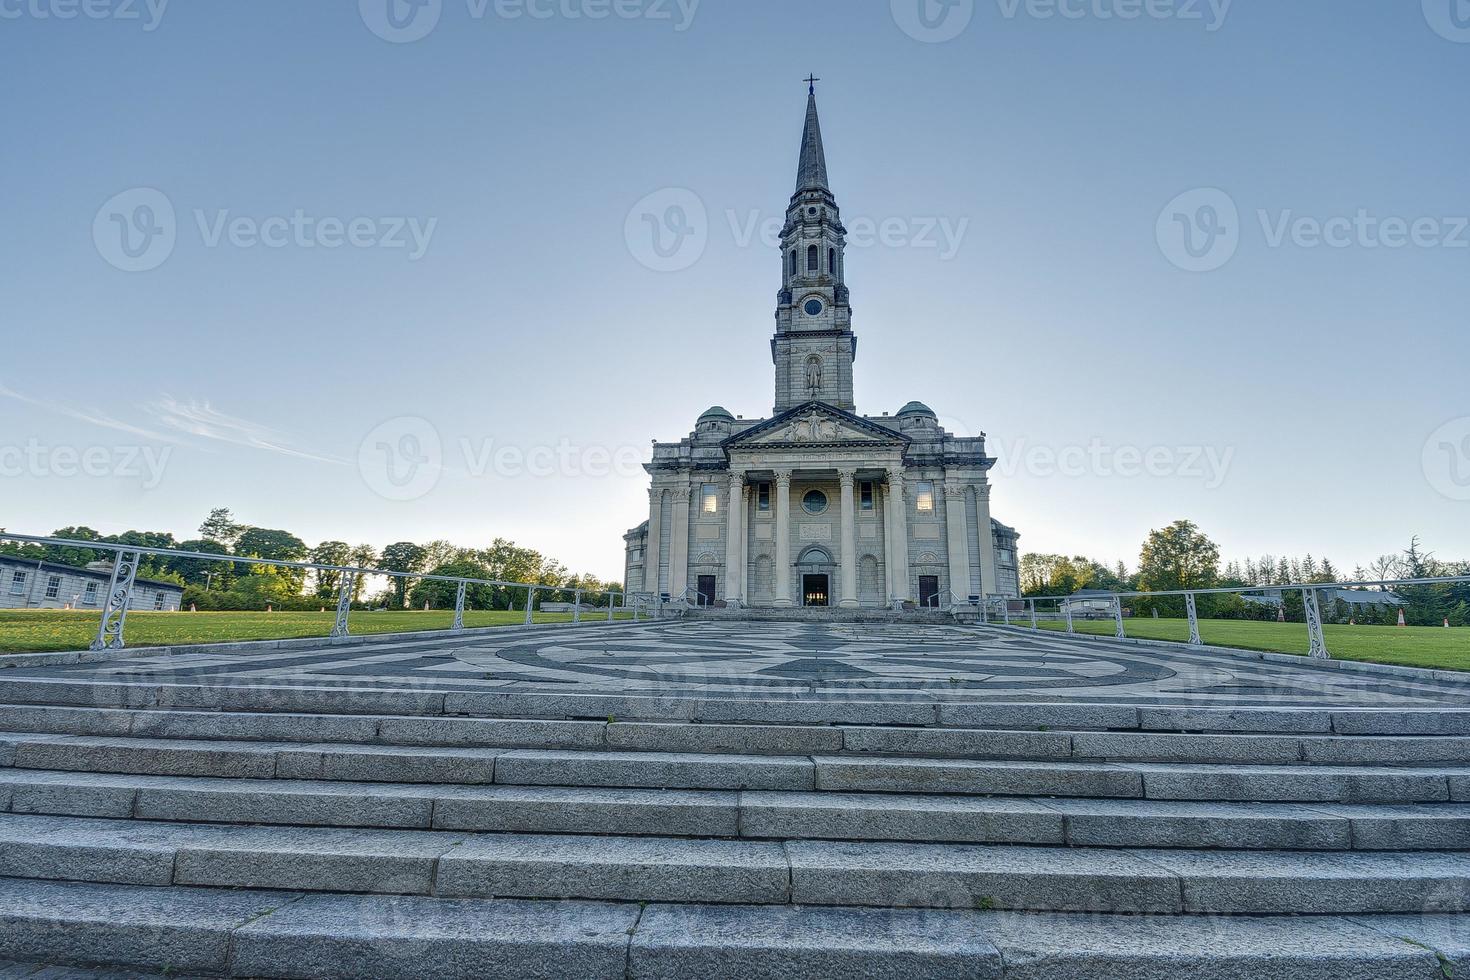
(89, 595)
(865, 496)
(763, 497)
(710, 499)
(53, 587)
(924, 497)
(18, 583)
(158, 601)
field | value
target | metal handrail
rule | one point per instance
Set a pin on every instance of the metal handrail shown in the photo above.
(1317, 637)
(125, 570)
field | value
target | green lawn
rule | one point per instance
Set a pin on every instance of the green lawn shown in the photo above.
(1410, 646)
(39, 630)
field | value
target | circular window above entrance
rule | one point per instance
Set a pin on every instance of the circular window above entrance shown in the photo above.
(813, 307)
(814, 502)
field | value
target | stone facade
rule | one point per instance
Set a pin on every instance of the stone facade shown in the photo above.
(819, 505)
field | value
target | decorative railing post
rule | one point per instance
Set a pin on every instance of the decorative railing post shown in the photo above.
(1005, 610)
(1318, 649)
(1032, 604)
(1118, 633)
(119, 597)
(984, 609)
(459, 606)
(1067, 608)
(530, 602)
(611, 598)
(576, 607)
(344, 604)
(1193, 611)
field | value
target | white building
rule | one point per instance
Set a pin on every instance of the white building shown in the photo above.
(30, 584)
(819, 504)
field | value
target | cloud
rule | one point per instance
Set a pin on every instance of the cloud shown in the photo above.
(83, 415)
(202, 420)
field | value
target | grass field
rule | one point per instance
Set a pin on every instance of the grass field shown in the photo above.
(41, 630)
(1410, 646)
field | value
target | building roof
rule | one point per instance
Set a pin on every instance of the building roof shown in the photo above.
(811, 172)
(917, 408)
(49, 566)
(717, 413)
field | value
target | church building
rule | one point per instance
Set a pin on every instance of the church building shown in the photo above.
(820, 505)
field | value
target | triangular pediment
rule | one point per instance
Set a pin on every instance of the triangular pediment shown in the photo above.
(816, 424)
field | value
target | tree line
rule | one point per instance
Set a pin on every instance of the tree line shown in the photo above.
(225, 585)
(1181, 556)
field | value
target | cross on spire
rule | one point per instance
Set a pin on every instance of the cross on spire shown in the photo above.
(812, 83)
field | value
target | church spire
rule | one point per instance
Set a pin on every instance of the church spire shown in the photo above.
(811, 174)
(814, 345)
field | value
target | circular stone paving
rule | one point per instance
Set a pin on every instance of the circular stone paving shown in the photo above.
(804, 655)
(744, 658)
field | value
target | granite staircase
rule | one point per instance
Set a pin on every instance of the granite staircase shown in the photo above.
(334, 833)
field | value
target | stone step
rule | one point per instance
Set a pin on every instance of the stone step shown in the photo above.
(713, 770)
(1155, 781)
(751, 815)
(271, 934)
(662, 869)
(395, 758)
(952, 711)
(744, 739)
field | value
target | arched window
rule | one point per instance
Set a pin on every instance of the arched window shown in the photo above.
(812, 260)
(793, 261)
(832, 261)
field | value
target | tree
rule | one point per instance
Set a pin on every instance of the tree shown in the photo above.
(441, 595)
(330, 553)
(61, 555)
(1178, 557)
(363, 556)
(403, 556)
(273, 545)
(438, 553)
(220, 526)
(210, 575)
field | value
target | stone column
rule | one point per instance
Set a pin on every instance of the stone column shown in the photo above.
(956, 523)
(898, 567)
(734, 536)
(783, 539)
(989, 582)
(679, 543)
(744, 577)
(652, 563)
(848, 575)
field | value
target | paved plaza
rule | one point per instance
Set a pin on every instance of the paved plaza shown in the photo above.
(741, 659)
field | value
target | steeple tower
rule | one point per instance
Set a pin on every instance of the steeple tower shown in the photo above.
(814, 346)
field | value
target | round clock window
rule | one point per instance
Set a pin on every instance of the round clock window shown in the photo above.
(813, 307)
(814, 502)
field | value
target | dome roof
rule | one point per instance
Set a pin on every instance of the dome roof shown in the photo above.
(717, 414)
(917, 408)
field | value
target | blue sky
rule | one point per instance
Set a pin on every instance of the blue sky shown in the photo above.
(455, 258)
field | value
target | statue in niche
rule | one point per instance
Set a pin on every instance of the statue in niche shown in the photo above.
(813, 374)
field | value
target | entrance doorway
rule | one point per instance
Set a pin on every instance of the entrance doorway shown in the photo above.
(706, 588)
(929, 591)
(815, 590)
